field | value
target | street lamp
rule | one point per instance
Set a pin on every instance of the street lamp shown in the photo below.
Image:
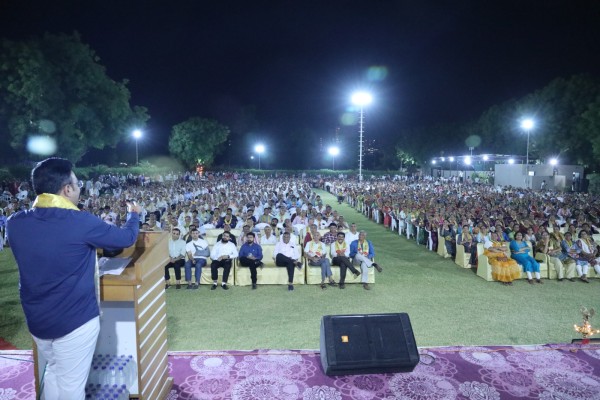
(361, 99)
(527, 125)
(137, 134)
(333, 151)
(259, 148)
(553, 161)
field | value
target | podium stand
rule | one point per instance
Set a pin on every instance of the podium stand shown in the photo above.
(134, 319)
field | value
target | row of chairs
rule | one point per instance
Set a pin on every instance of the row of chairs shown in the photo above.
(484, 268)
(270, 274)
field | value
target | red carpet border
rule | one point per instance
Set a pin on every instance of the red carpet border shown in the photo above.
(547, 372)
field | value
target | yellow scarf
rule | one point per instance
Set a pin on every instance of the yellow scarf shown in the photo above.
(47, 200)
(341, 247)
(364, 247)
(312, 246)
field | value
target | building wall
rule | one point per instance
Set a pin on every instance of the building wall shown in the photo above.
(557, 177)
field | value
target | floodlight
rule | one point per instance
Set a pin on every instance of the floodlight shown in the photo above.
(362, 98)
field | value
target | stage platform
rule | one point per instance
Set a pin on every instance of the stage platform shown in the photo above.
(552, 371)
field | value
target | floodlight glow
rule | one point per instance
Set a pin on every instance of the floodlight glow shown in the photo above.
(252, 157)
(451, 159)
(334, 151)
(362, 98)
(527, 124)
(443, 158)
(553, 161)
(433, 162)
(485, 157)
(468, 160)
(137, 134)
(511, 161)
(259, 148)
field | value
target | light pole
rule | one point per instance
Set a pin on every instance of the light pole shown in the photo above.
(137, 134)
(361, 99)
(259, 149)
(333, 151)
(527, 125)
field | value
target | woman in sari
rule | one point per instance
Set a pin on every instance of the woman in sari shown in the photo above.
(573, 250)
(520, 252)
(504, 269)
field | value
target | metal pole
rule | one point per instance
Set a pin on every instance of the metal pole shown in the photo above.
(360, 145)
(527, 167)
(259, 161)
(136, 153)
(527, 148)
(333, 159)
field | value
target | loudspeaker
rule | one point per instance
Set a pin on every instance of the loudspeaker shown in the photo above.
(367, 344)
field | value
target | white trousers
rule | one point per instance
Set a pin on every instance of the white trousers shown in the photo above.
(365, 264)
(68, 362)
(582, 269)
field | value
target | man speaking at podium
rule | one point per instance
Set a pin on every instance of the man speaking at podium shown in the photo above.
(55, 247)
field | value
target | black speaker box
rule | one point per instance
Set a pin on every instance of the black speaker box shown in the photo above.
(367, 344)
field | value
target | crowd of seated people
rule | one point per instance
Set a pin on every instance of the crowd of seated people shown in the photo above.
(265, 210)
(523, 222)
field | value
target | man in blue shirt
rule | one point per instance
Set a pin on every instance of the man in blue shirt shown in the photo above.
(362, 253)
(54, 245)
(251, 256)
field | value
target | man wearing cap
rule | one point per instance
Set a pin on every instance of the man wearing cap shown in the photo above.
(268, 237)
(222, 255)
(227, 229)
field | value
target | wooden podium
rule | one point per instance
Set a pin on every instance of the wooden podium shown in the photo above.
(134, 318)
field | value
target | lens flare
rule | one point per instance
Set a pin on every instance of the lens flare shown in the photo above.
(41, 145)
(377, 73)
(349, 119)
(47, 126)
(473, 141)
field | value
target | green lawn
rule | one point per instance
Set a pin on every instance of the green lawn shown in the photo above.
(447, 305)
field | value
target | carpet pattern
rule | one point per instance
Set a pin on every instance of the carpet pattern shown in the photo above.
(547, 372)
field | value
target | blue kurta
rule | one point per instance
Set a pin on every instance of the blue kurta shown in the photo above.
(528, 263)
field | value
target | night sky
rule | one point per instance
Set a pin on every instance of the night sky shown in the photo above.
(297, 62)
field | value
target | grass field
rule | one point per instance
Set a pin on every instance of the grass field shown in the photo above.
(447, 305)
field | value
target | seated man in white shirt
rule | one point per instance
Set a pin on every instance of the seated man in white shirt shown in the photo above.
(268, 237)
(176, 258)
(316, 252)
(287, 255)
(222, 254)
(351, 235)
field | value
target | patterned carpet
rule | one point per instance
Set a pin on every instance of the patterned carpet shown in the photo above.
(548, 372)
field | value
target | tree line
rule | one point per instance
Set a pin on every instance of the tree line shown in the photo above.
(567, 126)
(55, 87)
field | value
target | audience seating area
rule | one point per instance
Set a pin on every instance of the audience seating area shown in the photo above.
(484, 269)
(269, 274)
